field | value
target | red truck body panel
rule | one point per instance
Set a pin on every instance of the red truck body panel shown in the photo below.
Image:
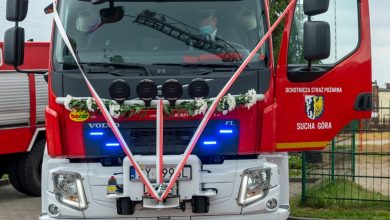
(36, 56)
(18, 139)
(339, 89)
(279, 122)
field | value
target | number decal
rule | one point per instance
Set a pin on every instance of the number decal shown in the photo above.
(164, 171)
(171, 171)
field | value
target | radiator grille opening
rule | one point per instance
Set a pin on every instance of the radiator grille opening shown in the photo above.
(143, 141)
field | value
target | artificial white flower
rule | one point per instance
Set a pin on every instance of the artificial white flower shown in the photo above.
(196, 112)
(114, 109)
(231, 101)
(251, 98)
(89, 104)
(67, 101)
(201, 105)
(248, 105)
(252, 95)
(204, 108)
(198, 102)
(225, 112)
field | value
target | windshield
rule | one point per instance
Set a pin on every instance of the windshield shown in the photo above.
(162, 32)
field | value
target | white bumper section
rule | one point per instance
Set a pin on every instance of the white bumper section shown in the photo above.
(222, 179)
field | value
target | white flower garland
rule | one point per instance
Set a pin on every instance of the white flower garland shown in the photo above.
(198, 106)
(89, 104)
(67, 101)
(114, 109)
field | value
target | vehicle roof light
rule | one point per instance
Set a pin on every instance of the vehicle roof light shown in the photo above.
(172, 90)
(147, 91)
(198, 88)
(119, 90)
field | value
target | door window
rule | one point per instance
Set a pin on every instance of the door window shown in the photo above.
(343, 19)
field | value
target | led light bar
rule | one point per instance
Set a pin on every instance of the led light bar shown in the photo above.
(112, 144)
(227, 131)
(96, 133)
(209, 142)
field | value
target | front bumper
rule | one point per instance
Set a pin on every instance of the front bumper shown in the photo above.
(280, 214)
(225, 177)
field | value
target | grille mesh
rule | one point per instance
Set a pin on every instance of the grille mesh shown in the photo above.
(143, 141)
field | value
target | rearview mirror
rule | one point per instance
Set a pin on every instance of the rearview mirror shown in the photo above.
(315, 7)
(16, 10)
(14, 46)
(112, 14)
(316, 45)
(49, 9)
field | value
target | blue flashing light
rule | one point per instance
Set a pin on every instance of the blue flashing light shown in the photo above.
(226, 131)
(112, 145)
(209, 142)
(96, 133)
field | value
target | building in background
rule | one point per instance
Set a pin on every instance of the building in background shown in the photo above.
(375, 100)
(380, 106)
(384, 102)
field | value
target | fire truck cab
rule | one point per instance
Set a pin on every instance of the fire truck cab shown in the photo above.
(178, 109)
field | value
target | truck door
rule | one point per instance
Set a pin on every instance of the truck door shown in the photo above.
(312, 106)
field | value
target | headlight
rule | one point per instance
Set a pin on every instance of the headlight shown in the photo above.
(69, 190)
(254, 185)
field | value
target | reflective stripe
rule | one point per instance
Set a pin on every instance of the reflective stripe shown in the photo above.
(297, 145)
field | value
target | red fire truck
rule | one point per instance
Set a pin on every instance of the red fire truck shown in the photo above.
(178, 110)
(23, 98)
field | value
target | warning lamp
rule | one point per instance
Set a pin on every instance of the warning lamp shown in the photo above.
(147, 91)
(119, 90)
(172, 91)
(198, 88)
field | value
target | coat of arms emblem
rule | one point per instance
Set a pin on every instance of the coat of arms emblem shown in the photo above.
(314, 106)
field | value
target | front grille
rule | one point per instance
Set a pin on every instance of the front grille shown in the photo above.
(141, 138)
(143, 141)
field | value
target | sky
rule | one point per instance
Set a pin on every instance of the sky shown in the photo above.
(38, 27)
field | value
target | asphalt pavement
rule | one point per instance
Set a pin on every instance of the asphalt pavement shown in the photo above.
(17, 206)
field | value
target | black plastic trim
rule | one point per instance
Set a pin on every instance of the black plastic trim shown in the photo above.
(363, 102)
(299, 73)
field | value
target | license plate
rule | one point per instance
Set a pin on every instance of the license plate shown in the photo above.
(150, 172)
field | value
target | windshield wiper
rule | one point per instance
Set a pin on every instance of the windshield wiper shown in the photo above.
(112, 68)
(211, 65)
(199, 65)
(220, 67)
(205, 68)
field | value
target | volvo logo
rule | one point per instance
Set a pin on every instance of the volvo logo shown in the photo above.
(101, 125)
